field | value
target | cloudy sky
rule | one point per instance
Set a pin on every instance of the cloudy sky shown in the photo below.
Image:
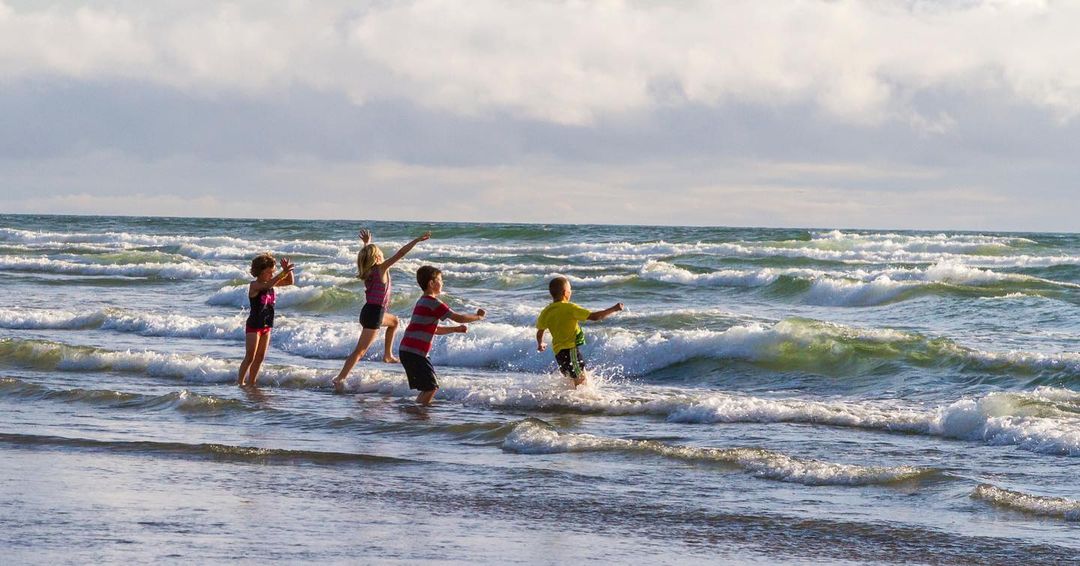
(878, 114)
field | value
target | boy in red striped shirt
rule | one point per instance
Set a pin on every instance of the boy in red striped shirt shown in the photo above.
(422, 329)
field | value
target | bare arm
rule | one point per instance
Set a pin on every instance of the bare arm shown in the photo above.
(540, 345)
(385, 266)
(601, 315)
(465, 318)
(286, 273)
(440, 330)
(257, 287)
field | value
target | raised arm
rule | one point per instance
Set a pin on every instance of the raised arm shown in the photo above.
(285, 274)
(404, 250)
(601, 315)
(540, 345)
(465, 318)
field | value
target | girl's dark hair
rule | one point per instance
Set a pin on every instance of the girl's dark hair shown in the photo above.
(426, 274)
(261, 262)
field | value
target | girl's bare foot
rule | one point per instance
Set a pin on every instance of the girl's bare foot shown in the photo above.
(391, 360)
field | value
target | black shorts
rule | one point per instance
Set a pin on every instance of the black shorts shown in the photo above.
(571, 364)
(420, 371)
(371, 316)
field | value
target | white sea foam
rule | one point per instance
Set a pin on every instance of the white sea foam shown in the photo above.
(970, 420)
(609, 349)
(159, 270)
(531, 437)
(1059, 507)
(291, 296)
(1028, 421)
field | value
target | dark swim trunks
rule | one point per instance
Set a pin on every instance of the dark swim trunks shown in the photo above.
(420, 371)
(571, 364)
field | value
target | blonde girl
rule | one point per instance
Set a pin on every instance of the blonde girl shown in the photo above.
(374, 270)
(260, 321)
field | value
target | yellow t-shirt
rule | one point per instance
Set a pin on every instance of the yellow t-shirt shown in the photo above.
(562, 320)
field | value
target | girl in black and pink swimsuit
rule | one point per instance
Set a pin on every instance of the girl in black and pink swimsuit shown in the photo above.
(260, 321)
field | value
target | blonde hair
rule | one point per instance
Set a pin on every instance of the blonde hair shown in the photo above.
(261, 262)
(365, 260)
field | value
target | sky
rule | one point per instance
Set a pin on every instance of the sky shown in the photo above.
(889, 114)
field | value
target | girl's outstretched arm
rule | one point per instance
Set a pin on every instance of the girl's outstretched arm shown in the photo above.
(404, 250)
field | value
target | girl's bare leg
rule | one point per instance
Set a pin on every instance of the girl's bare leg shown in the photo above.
(260, 353)
(251, 340)
(391, 323)
(367, 337)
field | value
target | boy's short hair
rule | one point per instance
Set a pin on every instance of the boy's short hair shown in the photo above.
(426, 274)
(261, 262)
(557, 287)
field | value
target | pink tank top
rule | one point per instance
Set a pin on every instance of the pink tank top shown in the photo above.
(378, 293)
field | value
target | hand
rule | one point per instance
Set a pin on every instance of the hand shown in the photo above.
(618, 307)
(365, 236)
(541, 346)
(423, 236)
(463, 329)
(286, 265)
(481, 313)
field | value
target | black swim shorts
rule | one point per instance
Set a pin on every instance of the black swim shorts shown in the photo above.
(571, 364)
(371, 316)
(420, 371)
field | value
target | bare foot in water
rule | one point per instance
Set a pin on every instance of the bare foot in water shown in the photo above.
(339, 385)
(391, 360)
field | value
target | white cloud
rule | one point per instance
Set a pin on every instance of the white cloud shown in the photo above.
(571, 62)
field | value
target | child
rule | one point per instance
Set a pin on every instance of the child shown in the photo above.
(376, 275)
(423, 326)
(261, 319)
(561, 318)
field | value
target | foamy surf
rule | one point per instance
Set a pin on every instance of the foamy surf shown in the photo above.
(532, 437)
(1054, 507)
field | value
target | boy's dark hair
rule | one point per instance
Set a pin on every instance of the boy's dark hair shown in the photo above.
(557, 287)
(426, 274)
(261, 262)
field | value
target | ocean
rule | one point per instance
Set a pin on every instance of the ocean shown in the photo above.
(769, 396)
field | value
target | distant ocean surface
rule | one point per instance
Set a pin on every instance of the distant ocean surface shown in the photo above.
(768, 396)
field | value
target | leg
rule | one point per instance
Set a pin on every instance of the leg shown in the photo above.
(367, 336)
(425, 397)
(391, 323)
(260, 353)
(251, 340)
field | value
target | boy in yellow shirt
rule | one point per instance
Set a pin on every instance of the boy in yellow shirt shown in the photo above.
(561, 317)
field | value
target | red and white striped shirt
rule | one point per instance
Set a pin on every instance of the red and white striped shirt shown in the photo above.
(421, 330)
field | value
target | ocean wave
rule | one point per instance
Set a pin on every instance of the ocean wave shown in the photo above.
(790, 344)
(312, 298)
(150, 270)
(206, 451)
(183, 401)
(1043, 421)
(997, 419)
(534, 437)
(199, 369)
(1056, 507)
